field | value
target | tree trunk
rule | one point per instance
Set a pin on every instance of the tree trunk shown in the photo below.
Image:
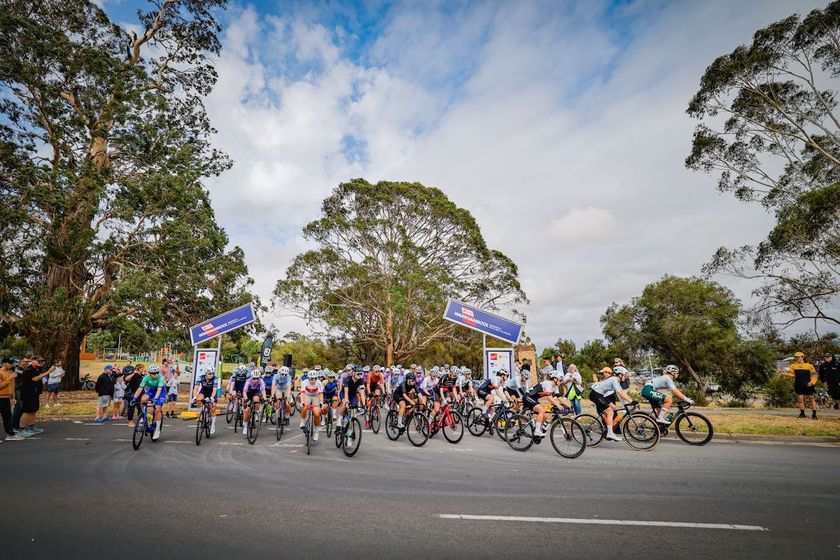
(700, 382)
(389, 340)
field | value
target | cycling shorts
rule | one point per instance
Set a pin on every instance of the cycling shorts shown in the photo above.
(529, 402)
(374, 387)
(652, 395)
(285, 391)
(353, 401)
(150, 392)
(601, 402)
(251, 394)
(312, 400)
(208, 392)
(514, 392)
(328, 397)
(483, 394)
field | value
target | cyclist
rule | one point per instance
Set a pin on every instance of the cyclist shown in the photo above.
(374, 385)
(254, 392)
(489, 391)
(153, 386)
(428, 391)
(236, 383)
(804, 381)
(661, 401)
(312, 399)
(331, 395)
(447, 387)
(281, 386)
(406, 395)
(602, 396)
(550, 389)
(464, 383)
(513, 389)
(352, 391)
(207, 387)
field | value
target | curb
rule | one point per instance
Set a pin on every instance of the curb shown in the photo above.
(760, 438)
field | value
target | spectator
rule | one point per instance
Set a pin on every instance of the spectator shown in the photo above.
(171, 397)
(127, 370)
(105, 392)
(54, 375)
(119, 393)
(573, 383)
(132, 381)
(804, 381)
(547, 368)
(560, 364)
(7, 392)
(29, 388)
(166, 370)
(830, 375)
(18, 411)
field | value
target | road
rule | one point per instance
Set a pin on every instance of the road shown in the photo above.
(80, 491)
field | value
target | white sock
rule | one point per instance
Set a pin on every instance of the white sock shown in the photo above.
(662, 413)
(335, 414)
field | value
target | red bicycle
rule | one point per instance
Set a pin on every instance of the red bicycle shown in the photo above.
(450, 422)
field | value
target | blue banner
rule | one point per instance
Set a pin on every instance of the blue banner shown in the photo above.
(482, 321)
(223, 323)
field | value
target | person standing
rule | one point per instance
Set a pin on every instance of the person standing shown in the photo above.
(18, 406)
(54, 376)
(560, 364)
(166, 370)
(32, 377)
(573, 384)
(132, 383)
(171, 396)
(804, 382)
(7, 392)
(105, 392)
(119, 393)
(829, 374)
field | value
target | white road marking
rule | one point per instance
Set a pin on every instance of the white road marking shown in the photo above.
(175, 441)
(78, 422)
(279, 444)
(122, 439)
(571, 520)
(76, 439)
(231, 443)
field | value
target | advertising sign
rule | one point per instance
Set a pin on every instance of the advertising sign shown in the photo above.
(496, 359)
(482, 321)
(203, 359)
(223, 323)
(265, 356)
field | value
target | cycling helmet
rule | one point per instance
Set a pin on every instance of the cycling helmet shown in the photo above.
(330, 375)
(434, 373)
(406, 371)
(255, 373)
(153, 369)
(348, 367)
(502, 371)
(410, 377)
(619, 370)
(366, 369)
(671, 368)
(446, 366)
(284, 370)
(317, 368)
(377, 368)
(210, 371)
(554, 374)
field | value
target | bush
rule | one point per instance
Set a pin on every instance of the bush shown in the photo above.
(735, 402)
(699, 397)
(779, 392)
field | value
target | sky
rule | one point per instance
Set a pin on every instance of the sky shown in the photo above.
(560, 126)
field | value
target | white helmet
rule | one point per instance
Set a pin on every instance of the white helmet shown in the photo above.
(153, 369)
(255, 374)
(284, 370)
(619, 370)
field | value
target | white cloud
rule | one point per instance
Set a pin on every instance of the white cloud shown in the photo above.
(539, 113)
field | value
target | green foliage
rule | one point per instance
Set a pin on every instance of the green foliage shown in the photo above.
(751, 364)
(16, 346)
(389, 256)
(699, 396)
(779, 392)
(104, 144)
(770, 131)
(686, 321)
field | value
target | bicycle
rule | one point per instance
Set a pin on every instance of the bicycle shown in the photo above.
(348, 435)
(478, 423)
(145, 425)
(823, 399)
(416, 426)
(202, 425)
(269, 412)
(374, 420)
(450, 422)
(86, 383)
(280, 424)
(254, 421)
(692, 427)
(637, 428)
(566, 435)
(309, 429)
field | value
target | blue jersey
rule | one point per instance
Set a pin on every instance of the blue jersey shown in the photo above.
(330, 389)
(239, 381)
(282, 381)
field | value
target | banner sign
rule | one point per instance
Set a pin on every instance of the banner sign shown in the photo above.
(496, 359)
(265, 357)
(203, 359)
(220, 324)
(482, 321)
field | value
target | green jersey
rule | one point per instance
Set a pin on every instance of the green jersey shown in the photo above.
(158, 383)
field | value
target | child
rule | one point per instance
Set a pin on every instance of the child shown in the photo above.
(171, 396)
(119, 395)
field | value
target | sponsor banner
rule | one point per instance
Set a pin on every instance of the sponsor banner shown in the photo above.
(203, 359)
(223, 323)
(482, 321)
(496, 359)
(265, 357)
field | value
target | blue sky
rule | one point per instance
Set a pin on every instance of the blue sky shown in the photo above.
(560, 125)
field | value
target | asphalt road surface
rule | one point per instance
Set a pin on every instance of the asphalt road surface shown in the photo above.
(81, 491)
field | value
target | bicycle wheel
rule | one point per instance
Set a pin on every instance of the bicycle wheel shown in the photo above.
(500, 422)
(694, 428)
(353, 438)
(593, 429)
(475, 422)
(199, 425)
(329, 422)
(375, 420)
(230, 412)
(567, 438)
(253, 427)
(392, 429)
(640, 431)
(280, 423)
(417, 429)
(519, 433)
(237, 418)
(139, 432)
(453, 427)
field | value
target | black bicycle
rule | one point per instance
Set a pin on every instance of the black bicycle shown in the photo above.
(566, 435)
(202, 425)
(145, 425)
(496, 421)
(692, 427)
(416, 427)
(253, 427)
(638, 428)
(348, 434)
(280, 424)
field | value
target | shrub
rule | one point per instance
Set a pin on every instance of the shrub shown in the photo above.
(699, 397)
(779, 391)
(735, 402)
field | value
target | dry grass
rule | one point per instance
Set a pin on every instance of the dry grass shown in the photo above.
(770, 424)
(77, 403)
